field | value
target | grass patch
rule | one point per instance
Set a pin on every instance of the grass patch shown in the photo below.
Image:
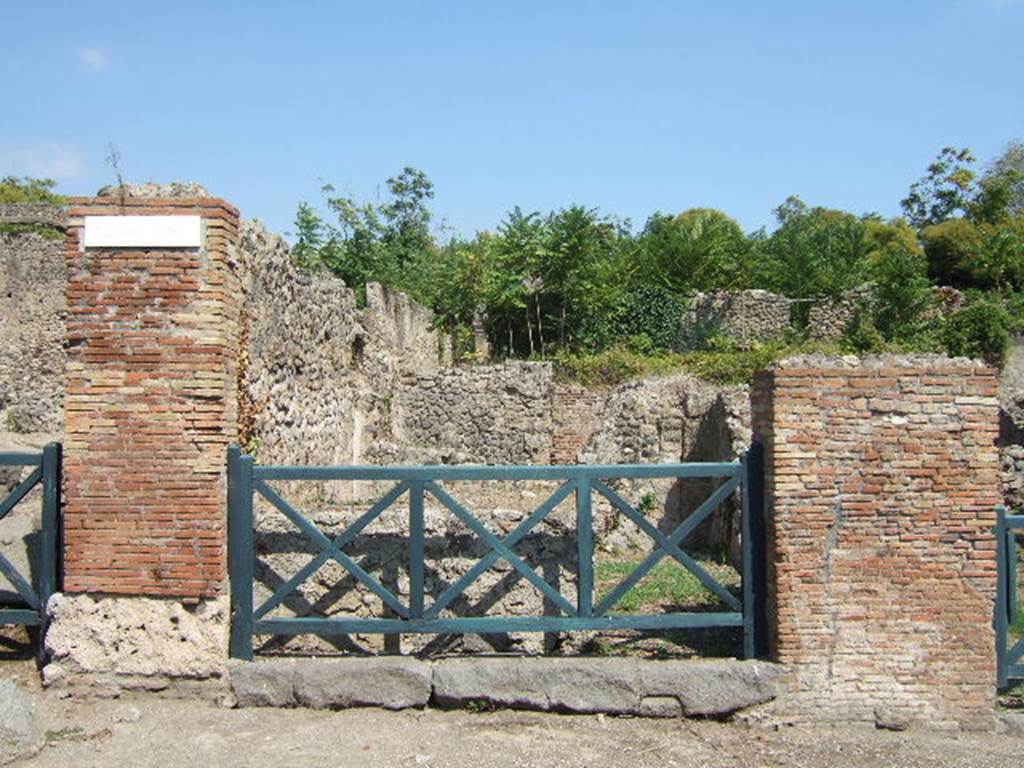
(665, 587)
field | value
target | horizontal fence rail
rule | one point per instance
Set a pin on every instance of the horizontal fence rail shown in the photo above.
(1009, 648)
(33, 593)
(247, 479)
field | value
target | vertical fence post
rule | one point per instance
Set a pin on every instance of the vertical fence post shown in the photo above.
(241, 551)
(584, 550)
(753, 543)
(1011, 573)
(416, 550)
(1001, 616)
(49, 536)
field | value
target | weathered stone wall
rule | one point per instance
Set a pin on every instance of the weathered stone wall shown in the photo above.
(1012, 459)
(673, 419)
(882, 483)
(32, 282)
(831, 318)
(320, 374)
(99, 645)
(1011, 426)
(505, 414)
(754, 316)
(487, 414)
(746, 317)
(150, 405)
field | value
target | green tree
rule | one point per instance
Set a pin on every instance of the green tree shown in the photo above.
(454, 283)
(367, 242)
(406, 217)
(813, 252)
(578, 273)
(945, 190)
(903, 293)
(979, 331)
(14, 189)
(1007, 171)
(700, 249)
(520, 252)
(969, 254)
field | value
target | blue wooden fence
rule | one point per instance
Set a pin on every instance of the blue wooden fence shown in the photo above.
(1009, 650)
(246, 478)
(34, 592)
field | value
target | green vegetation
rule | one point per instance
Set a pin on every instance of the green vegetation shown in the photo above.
(666, 585)
(583, 288)
(14, 189)
(27, 190)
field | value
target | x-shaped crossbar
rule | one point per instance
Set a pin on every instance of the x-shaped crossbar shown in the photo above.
(19, 582)
(501, 548)
(331, 550)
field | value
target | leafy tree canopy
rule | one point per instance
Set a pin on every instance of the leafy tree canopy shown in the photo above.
(14, 189)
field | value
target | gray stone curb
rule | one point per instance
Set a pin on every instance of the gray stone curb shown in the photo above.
(715, 688)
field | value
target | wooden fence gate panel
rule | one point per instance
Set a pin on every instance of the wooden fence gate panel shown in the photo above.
(246, 479)
(34, 589)
(1009, 618)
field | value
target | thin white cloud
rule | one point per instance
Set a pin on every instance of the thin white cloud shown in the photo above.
(93, 59)
(44, 159)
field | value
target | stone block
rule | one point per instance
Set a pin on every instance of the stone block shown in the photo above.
(317, 683)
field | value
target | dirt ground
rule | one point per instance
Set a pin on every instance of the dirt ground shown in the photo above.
(147, 731)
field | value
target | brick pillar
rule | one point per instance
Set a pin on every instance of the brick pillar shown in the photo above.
(151, 400)
(882, 482)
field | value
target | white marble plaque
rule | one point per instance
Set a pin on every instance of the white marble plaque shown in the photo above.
(143, 232)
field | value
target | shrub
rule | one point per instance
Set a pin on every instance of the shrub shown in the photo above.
(979, 331)
(654, 312)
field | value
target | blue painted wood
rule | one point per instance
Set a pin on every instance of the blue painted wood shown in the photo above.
(20, 459)
(460, 586)
(1011, 575)
(494, 543)
(416, 550)
(1016, 653)
(418, 618)
(1008, 657)
(20, 583)
(442, 472)
(669, 548)
(282, 592)
(20, 491)
(1001, 623)
(46, 471)
(20, 616)
(685, 528)
(495, 624)
(49, 533)
(241, 552)
(584, 550)
(746, 542)
(327, 546)
(754, 573)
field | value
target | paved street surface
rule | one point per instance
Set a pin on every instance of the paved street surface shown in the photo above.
(142, 732)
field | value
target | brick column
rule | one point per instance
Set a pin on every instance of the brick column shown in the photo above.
(882, 482)
(150, 405)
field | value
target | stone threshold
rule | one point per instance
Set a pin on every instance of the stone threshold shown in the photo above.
(620, 686)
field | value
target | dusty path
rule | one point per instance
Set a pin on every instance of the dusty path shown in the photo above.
(142, 732)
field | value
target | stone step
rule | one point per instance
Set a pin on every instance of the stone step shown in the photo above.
(622, 686)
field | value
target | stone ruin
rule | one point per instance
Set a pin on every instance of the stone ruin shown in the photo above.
(323, 379)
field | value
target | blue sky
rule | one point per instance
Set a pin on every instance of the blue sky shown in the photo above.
(628, 106)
